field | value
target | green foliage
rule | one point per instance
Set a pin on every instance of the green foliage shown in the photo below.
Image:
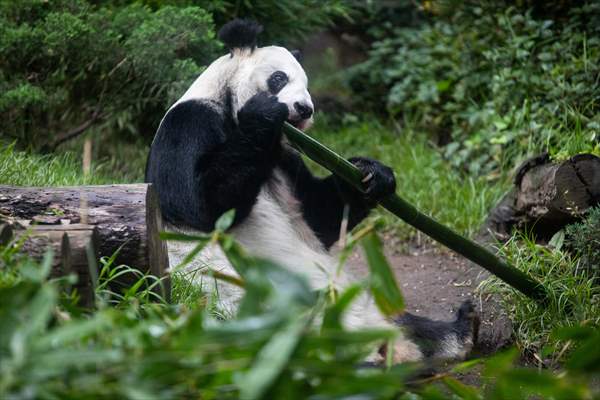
(155, 350)
(68, 64)
(385, 290)
(497, 83)
(573, 294)
(285, 21)
(273, 349)
(113, 68)
(583, 239)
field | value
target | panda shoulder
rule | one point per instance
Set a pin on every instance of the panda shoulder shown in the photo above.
(191, 114)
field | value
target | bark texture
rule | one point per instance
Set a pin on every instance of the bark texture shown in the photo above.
(111, 218)
(546, 196)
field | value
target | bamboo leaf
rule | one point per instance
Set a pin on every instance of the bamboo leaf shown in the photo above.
(333, 314)
(225, 221)
(73, 332)
(463, 391)
(183, 237)
(383, 284)
(191, 255)
(586, 357)
(271, 360)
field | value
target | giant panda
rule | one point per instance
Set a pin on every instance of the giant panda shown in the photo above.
(220, 147)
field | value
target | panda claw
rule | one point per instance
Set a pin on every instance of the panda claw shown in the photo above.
(367, 178)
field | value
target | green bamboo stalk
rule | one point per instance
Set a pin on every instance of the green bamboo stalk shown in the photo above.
(401, 208)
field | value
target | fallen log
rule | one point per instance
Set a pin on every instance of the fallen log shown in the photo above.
(546, 196)
(127, 219)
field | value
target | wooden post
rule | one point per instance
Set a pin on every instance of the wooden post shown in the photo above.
(75, 250)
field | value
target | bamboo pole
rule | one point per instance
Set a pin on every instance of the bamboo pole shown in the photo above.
(407, 212)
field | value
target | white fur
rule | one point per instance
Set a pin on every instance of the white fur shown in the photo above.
(246, 73)
(276, 230)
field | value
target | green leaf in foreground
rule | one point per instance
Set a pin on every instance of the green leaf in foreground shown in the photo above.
(183, 237)
(333, 314)
(271, 360)
(225, 221)
(383, 285)
(463, 391)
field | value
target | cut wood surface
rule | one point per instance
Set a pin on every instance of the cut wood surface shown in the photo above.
(546, 196)
(126, 217)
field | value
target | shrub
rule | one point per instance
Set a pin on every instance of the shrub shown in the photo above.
(68, 66)
(113, 67)
(495, 83)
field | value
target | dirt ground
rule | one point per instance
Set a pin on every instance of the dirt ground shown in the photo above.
(435, 282)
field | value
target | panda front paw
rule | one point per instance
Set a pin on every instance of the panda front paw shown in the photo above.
(263, 113)
(378, 179)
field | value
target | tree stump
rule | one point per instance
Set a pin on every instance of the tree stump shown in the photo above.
(546, 196)
(127, 219)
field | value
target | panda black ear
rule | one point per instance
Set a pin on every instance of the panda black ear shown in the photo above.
(297, 55)
(240, 34)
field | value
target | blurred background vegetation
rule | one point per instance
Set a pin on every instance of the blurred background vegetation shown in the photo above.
(488, 82)
(453, 94)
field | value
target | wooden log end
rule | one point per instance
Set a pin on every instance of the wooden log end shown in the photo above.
(6, 234)
(157, 249)
(577, 183)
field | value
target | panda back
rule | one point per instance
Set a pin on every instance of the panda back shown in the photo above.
(187, 133)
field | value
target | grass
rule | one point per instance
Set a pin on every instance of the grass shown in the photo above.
(22, 168)
(574, 294)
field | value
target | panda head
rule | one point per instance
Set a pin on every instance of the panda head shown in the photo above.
(273, 69)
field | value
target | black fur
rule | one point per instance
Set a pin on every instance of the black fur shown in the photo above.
(297, 55)
(382, 182)
(240, 33)
(277, 81)
(202, 164)
(429, 334)
(323, 199)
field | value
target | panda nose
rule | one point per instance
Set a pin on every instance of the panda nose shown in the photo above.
(304, 110)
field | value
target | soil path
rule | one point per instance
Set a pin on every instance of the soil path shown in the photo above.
(435, 282)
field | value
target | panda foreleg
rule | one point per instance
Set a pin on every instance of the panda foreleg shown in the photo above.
(324, 199)
(232, 175)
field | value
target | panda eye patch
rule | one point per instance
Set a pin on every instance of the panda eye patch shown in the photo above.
(277, 81)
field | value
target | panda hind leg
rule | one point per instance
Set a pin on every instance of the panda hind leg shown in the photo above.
(438, 340)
